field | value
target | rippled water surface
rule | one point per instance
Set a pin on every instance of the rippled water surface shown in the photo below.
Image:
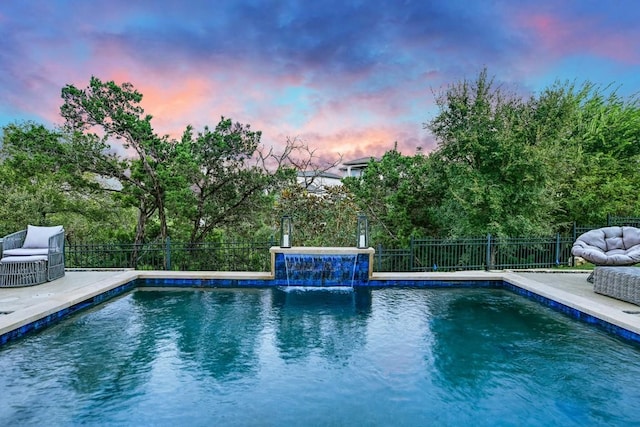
(389, 357)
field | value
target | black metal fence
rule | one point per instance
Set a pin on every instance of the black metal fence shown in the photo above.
(232, 256)
(631, 221)
(476, 254)
(425, 254)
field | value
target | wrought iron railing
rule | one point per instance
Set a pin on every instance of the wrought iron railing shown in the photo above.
(232, 256)
(487, 253)
(631, 221)
(425, 254)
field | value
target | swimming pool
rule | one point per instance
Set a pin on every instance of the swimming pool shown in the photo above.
(270, 357)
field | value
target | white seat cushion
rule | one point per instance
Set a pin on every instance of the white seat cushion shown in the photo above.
(31, 258)
(25, 252)
(38, 237)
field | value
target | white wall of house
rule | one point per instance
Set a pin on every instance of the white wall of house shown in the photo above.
(317, 183)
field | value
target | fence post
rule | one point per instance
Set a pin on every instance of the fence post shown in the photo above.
(608, 220)
(379, 254)
(487, 266)
(411, 254)
(557, 249)
(167, 252)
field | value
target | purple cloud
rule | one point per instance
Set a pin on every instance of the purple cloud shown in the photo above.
(352, 77)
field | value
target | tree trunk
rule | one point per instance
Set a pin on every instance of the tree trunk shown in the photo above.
(143, 215)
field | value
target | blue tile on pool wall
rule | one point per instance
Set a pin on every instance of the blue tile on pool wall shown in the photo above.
(575, 313)
(400, 283)
(204, 283)
(65, 312)
(321, 269)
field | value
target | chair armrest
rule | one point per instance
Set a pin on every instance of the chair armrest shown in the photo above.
(634, 253)
(14, 240)
(56, 243)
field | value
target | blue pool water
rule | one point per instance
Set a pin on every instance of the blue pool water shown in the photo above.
(266, 357)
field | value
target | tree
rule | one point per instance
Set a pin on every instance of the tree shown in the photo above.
(204, 181)
(499, 180)
(325, 219)
(310, 169)
(605, 153)
(116, 110)
(400, 195)
(223, 177)
(32, 183)
(42, 186)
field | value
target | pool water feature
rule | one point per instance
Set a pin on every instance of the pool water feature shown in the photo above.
(321, 357)
(321, 267)
(321, 270)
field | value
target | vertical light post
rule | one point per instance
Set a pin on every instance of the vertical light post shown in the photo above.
(285, 231)
(363, 232)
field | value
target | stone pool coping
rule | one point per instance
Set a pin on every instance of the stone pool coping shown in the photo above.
(23, 310)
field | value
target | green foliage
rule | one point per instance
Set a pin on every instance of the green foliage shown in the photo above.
(509, 166)
(504, 165)
(499, 179)
(188, 188)
(529, 167)
(39, 173)
(398, 194)
(115, 110)
(220, 179)
(606, 154)
(328, 219)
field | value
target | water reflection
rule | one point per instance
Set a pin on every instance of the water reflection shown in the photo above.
(472, 337)
(330, 323)
(487, 341)
(382, 357)
(112, 363)
(214, 332)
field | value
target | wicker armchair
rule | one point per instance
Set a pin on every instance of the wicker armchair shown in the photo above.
(32, 256)
(609, 246)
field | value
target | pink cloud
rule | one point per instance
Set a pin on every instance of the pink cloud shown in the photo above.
(561, 37)
(351, 143)
(334, 119)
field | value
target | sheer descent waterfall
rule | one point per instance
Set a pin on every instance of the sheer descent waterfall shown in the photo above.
(321, 267)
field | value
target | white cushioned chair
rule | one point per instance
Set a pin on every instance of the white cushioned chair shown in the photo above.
(32, 256)
(612, 246)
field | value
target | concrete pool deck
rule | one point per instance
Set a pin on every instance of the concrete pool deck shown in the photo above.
(21, 306)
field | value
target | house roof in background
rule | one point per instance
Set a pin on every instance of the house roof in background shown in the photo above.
(360, 161)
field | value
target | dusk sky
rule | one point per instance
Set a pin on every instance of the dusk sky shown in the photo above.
(346, 77)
